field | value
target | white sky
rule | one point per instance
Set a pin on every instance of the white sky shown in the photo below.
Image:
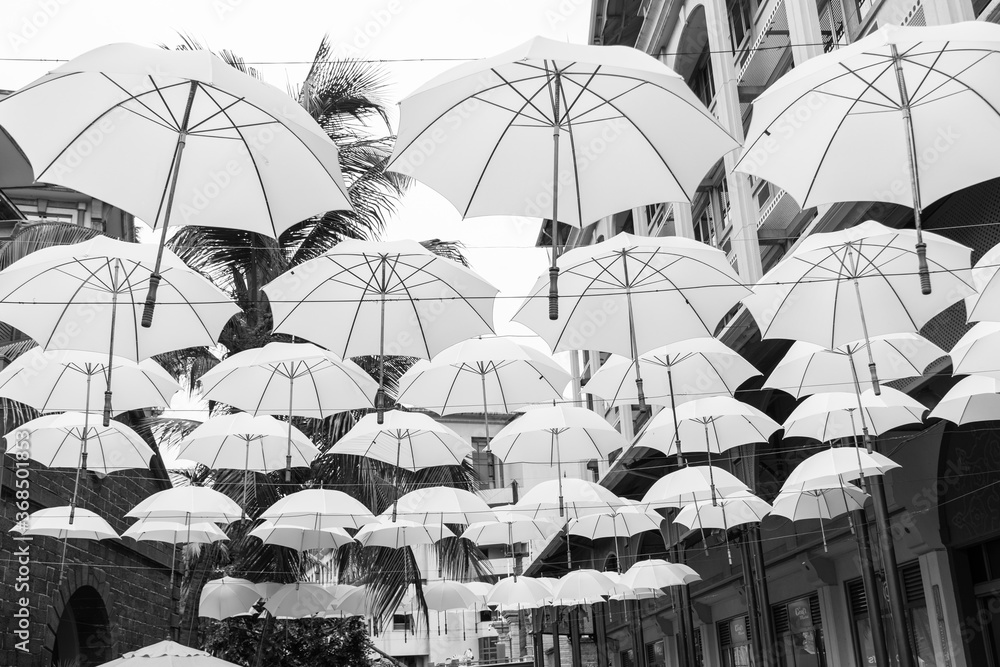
(288, 32)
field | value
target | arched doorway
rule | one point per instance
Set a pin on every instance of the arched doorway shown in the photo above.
(83, 637)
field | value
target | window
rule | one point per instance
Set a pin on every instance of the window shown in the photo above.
(488, 467)
(734, 642)
(740, 20)
(699, 649)
(402, 622)
(626, 659)
(487, 650)
(485, 616)
(701, 81)
(799, 631)
(704, 227)
(654, 654)
(594, 470)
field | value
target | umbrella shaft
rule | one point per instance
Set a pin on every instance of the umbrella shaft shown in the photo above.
(554, 268)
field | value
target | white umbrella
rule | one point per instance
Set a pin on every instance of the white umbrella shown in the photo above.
(984, 305)
(673, 374)
(300, 538)
(187, 503)
(713, 425)
(583, 585)
(490, 135)
(508, 375)
(167, 654)
(975, 351)
(551, 434)
(289, 379)
(179, 132)
(77, 440)
(61, 380)
(447, 595)
(353, 601)
(808, 368)
(298, 600)
(400, 533)
(480, 589)
(408, 440)
(824, 503)
(320, 508)
(974, 399)
(391, 297)
(227, 597)
(837, 465)
(692, 484)
(173, 531)
(570, 499)
(631, 294)
(736, 509)
(625, 521)
(442, 504)
(839, 287)
(886, 101)
(657, 573)
(511, 526)
(834, 415)
(66, 522)
(526, 592)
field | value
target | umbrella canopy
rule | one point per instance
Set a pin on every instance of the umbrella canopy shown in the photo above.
(571, 499)
(186, 503)
(168, 654)
(673, 374)
(300, 538)
(631, 294)
(353, 601)
(525, 592)
(226, 597)
(974, 399)
(66, 522)
(289, 378)
(820, 503)
(90, 295)
(713, 425)
(511, 527)
(507, 374)
(808, 368)
(975, 352)
(61, 380)
(723, 513)
(400, 533)
(73, 439)
(298, 600)
(243, 441)
(625, 521)
(175, 532)
(984, 305)
(583, 585)
(443, 504)
(320, 508)
(551, 434)
(829, 416)
(409, 440)
(393, 297)
(447, 595)
(657, 573)
(692, 484)
(836, 465)
(839, 287)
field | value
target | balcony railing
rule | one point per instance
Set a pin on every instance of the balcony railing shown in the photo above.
(769, 46)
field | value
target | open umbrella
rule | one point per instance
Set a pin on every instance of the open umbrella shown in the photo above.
(400, 533)
(657, 573)
(552, 433)
(158, 132)
(447, 595)
(507, 374)
(835, 415)
(890, 99)
(625, 521)
(975, 352)
(408, 440)
(984, 305)
(582, 585)
(510, 527)
(570, 499)
(442, 505)
(300, 538)
(227, 597)
(692, 484)
(320, 508)
(836, 465)
(187, 503)
(391, 297)
(491, 135)
(973, 399)
(289, 379)
(724, 513)
(525, 592)
(713, 425)
(168, 654)
(299, 600)
(631, 294)
(824, 503)
(65, 523)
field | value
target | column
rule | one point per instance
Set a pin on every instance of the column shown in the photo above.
(683, 220)
(574, 637)
(727, 107)
(599, 613)
(803, 30)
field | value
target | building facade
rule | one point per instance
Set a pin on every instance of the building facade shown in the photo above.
(810, 608)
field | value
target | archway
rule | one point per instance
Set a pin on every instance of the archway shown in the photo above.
(84, 633)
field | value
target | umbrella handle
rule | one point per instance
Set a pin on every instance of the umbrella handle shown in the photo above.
(147, 311)
(107, 408)
(925, 274)
(553, 292)
(875, 385)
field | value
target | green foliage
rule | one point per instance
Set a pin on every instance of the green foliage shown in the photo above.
(298, 643)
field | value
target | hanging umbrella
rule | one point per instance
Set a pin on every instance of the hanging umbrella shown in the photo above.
(510, 527)
(507, 374)
(567, 499)
(393, 297)
(480, 589)
(408, 440)
(825, 503)
(724, 513)
(631, 294)
(713, 425)
(808, 368)
(74, 439)
(551, 434)
(525, 592)
(174, 532)
(188, 503)
(673, 374)
(441, 505)
(167, 654)
(974, 399)
(400, 533)
(176, 128)
(300, 538)
(692, 484)
(890, 99)
(975, 351)
(830, 416)
(836, 465)
(583, 585)
(264, 380)
(298, 600)
(839, 287)
(447, 595)
(66, 522)
(320, 508)
(984, 305)
(491, 135)
(227, 597)
(61, 380)
(656, 573)
(353, 601)
(625, 521)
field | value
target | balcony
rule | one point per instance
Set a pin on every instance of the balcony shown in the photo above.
(493, 497)
(777, 210)
(767, 53)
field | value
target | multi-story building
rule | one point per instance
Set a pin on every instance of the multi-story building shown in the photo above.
(810, 609)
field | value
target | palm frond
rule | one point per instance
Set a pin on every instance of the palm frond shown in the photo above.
(449, 249)
(336, 90)
(31, 236)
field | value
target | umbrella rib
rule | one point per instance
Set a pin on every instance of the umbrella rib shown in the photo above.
(967, 87)
(931, 68)
(186, 301)
(572, 153)
(69, 301)
(413, 303)
(132, 310)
